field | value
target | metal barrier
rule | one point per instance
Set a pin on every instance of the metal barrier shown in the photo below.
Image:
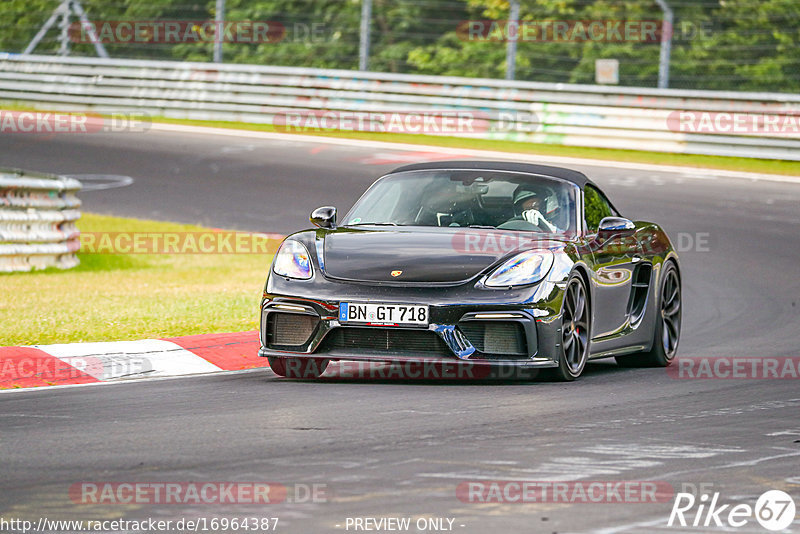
(37, 221)
(759, 125)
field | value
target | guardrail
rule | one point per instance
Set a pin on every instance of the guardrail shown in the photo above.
(37, 221)
(759, 125)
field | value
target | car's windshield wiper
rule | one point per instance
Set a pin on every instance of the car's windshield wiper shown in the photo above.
(374, 224)
(482, 226)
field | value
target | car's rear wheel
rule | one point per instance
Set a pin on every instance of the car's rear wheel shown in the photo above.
(298, 367)
(667, 330)
(575, 331)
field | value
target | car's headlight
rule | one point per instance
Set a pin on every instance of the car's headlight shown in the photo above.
(293, 261)
(525, 268)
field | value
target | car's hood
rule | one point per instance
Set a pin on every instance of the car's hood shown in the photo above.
(414, 256)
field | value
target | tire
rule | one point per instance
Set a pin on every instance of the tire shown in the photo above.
(667, 328)
(576, 329)
(298, 367)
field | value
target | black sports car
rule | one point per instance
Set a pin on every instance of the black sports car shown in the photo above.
(481, 263)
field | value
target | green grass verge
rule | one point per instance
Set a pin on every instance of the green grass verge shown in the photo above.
(129, 296)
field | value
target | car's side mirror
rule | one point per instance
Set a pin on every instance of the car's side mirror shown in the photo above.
(615, 226)
(324, 217)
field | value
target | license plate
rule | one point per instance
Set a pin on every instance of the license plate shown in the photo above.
(383, 314)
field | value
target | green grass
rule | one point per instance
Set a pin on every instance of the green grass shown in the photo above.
(132, 296)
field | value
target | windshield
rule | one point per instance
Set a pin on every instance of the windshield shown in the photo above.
(468, 198)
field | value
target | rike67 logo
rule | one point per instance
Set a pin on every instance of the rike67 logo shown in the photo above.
(774, 510)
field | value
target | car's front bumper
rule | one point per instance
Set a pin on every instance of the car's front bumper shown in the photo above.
(532, 313)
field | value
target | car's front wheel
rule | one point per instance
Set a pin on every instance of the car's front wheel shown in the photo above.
(298, 367)
(667, 329)
(575, 331)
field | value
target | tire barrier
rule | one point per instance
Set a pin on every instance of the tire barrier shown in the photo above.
(37, 221)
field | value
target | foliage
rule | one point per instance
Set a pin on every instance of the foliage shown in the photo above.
(716, 44)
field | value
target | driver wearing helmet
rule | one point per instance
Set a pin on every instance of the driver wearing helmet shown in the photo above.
(531, 205)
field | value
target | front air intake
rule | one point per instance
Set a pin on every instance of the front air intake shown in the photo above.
(386, 339)
(289, 329)
(496, 338)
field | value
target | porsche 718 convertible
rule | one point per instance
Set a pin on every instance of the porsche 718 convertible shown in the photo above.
(475, 262)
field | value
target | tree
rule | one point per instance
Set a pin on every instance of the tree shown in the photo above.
(752, 47)
(717, 44)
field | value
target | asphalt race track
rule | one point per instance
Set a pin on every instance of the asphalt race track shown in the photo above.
(384, 448)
